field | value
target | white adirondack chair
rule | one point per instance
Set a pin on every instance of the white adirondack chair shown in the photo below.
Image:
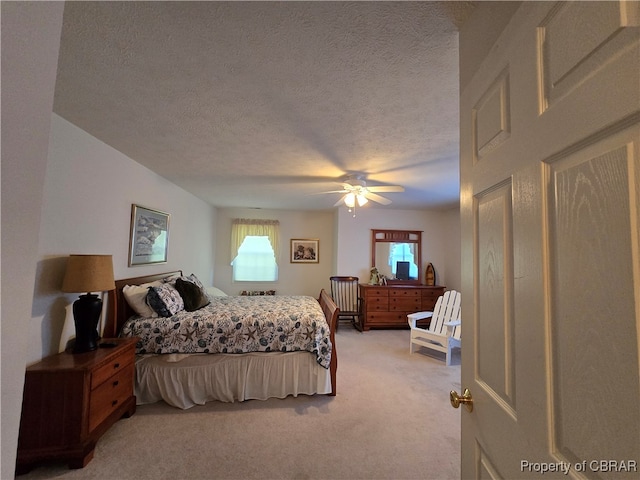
(443, 333)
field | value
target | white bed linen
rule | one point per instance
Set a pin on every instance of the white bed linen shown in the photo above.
(187, 380)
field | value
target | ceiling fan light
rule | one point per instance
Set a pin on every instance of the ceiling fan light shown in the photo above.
(362, 200)
(350, 200)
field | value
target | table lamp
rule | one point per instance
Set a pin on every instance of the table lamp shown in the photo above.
(88, 273)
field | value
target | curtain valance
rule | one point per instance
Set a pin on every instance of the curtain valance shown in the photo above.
(242, 227)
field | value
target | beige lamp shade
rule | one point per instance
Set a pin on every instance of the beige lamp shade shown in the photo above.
(89, 273)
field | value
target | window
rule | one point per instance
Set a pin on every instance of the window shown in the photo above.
(255, 261)
(254, 249)
(403, 252)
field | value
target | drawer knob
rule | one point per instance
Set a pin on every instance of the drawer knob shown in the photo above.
(116, 365)
(114, 403)
(115, 384)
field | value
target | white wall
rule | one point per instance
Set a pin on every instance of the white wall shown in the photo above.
(353, 256)
(86, 208)
(30, 42)
(496, 14)
(452, 265)
(294, 279)
(345, 245)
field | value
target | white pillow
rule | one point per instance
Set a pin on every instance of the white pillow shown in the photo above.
(215, 292)
(136, 296)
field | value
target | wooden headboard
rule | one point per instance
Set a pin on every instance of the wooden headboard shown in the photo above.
(118, 310)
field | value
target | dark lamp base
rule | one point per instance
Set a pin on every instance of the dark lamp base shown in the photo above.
(86, 313)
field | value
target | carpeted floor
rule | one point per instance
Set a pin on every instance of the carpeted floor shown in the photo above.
(391, 419)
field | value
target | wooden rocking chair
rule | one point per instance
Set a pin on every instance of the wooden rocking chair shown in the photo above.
(344, 291)
(443, 333)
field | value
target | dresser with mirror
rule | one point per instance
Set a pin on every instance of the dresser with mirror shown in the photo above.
(397, 256)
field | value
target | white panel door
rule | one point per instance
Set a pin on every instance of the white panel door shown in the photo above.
(550, 200)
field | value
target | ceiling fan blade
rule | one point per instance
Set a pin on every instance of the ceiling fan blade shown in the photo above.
(339, 202)
(377, 198)
(388, 188)
(330, 191)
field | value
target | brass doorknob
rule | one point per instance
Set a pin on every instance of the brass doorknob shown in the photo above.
(466, 399)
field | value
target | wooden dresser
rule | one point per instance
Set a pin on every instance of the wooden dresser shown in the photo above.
(388, 306)
(71, 400)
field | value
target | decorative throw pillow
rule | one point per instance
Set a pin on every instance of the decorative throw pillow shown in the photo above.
(165, 300)
(136, 298)
(193, 279)
(171, 279)
(193, 296)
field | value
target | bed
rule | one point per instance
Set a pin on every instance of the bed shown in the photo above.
(235, 348)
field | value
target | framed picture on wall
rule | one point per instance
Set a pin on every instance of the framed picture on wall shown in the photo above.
(149, 237)
(305, 250)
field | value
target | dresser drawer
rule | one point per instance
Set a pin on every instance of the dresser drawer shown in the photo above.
(110, 395)
(376, 292)
(432, 293)
(377, 303)
(386, 318)
(427, 305)
(430, 297)
(404, 293)
(405, 304)
(101, 374)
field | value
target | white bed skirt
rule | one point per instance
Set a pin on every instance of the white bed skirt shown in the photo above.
(187, 380)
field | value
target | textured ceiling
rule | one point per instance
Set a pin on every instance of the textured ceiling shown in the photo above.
(265, 104)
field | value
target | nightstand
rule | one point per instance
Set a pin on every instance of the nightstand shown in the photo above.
(71, 400)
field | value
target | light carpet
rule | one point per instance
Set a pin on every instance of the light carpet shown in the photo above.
(391, 419)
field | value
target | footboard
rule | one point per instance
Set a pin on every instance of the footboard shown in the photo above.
(331, 311)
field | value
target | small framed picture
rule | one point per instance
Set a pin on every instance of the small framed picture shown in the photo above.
(149, 237)
(305, 250)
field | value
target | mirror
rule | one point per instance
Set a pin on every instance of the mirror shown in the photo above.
(397, 255)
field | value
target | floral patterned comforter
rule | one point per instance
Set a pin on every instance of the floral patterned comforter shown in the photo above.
(238, 324)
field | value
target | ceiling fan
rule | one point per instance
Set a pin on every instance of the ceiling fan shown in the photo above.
(355, 191)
